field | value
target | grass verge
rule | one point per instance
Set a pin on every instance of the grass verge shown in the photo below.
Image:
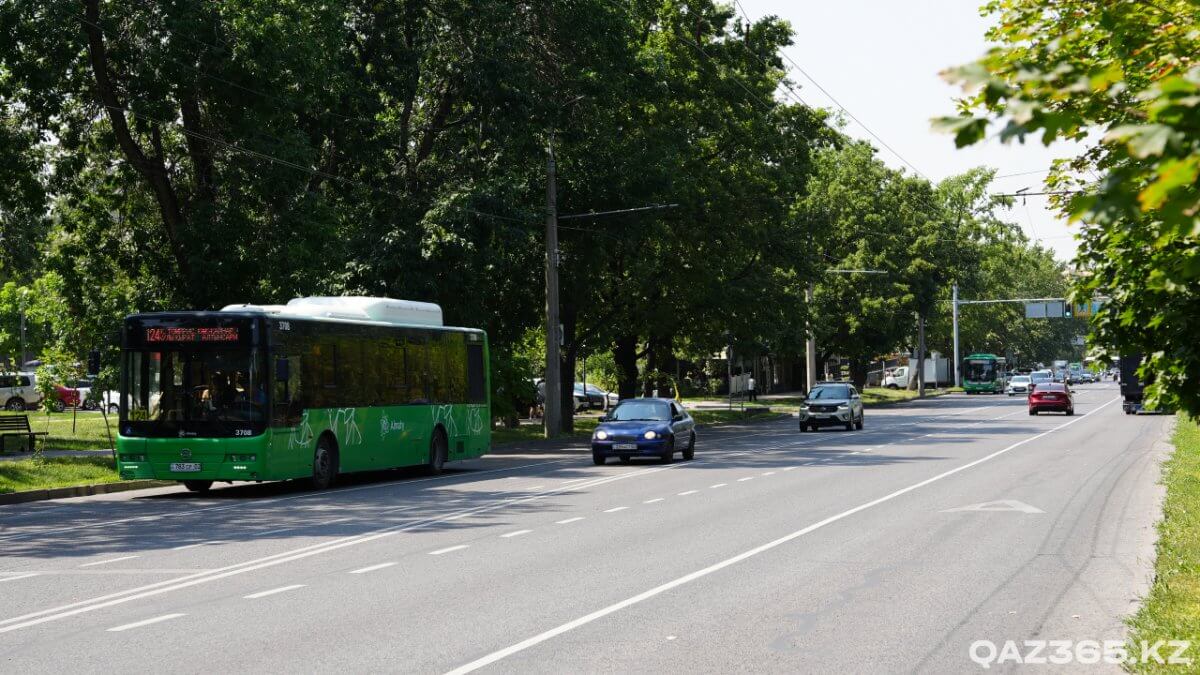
(53, 472)
(87, 433)
(1172, 609)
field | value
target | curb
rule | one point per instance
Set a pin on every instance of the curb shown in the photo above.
(79, 491)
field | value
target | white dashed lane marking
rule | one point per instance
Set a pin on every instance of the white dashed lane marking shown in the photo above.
(146, 622)
(273, 591)
(718, 485)
(516, 534)
(110, 560)
(689, 492)
(19, 576)
(652, 501)
(372, 568)
(615, 509)
(742, 480)
(569, 520)
(440, 551)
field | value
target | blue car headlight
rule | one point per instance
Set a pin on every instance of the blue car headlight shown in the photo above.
(601, 434)
(650, 435)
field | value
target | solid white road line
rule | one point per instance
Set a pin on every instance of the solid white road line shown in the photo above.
(515, 534)
(569, 520)
(653, 501)
(273, 591)
(657, 590)
(110, 560)
(689, 492)
(372, 568)
(615, 509)
(19, 576)
(146, 622)
(448, 549)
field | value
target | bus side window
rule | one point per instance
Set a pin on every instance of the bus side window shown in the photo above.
(476, 381)
(417, 364)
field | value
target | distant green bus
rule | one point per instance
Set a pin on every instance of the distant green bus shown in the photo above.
(311, 389)
(984, 374)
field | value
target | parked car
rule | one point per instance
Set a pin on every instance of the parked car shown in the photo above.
(595, 396)
(18, 391)
(110, 401)
(1018, 384)
(832, 404)
(581, 402)
(645, 427)
(1051, 396)
(77, 395)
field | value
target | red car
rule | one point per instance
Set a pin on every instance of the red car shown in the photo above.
(1051, 396)
(68, 397)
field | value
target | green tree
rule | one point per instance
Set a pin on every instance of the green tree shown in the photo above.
(1125, 72)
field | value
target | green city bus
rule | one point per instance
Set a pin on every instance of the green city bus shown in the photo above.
(311, 389)
(984, 374)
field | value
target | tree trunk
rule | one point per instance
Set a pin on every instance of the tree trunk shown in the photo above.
(651, 374)
(858, 372)
(625, 354)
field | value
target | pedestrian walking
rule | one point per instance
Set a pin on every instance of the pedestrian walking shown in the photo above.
(750, 395)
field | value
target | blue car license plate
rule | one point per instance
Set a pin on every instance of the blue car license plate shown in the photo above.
(624, 446)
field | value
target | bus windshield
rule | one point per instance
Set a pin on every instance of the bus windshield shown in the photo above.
(201, 392)
(980, 370)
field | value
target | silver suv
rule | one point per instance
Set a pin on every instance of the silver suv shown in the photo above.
(832, 404)
(18, 391)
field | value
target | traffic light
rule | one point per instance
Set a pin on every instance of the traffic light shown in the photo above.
(94, 362)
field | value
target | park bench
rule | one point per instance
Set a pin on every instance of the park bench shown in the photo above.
(17, 425)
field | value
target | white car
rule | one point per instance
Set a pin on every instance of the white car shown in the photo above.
(111, 401)
(1018, 384)
(18, 391)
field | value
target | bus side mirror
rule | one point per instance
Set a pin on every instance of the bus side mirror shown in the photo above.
(282, 370)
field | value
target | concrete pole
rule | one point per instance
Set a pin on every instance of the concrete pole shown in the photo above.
(553, 415)
(957, 365)
(921, 356)
(810, 345)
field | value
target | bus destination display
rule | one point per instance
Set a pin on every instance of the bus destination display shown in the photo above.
(179, 334)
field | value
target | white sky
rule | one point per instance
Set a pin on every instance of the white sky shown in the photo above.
(880, 59)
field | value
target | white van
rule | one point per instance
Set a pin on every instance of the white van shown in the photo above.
(18, 391)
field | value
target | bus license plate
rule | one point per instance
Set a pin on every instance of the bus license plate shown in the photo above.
(624, 446)
(185, 467)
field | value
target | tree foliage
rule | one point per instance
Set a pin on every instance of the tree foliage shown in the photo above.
(1125, 72)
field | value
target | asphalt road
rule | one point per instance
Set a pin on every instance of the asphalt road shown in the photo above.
(883, 550)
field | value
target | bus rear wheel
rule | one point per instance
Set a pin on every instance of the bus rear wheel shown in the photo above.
(437, 453)
(197, 485)
(324, 465)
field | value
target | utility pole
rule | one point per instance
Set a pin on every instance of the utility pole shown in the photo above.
(729, 369)
(954, 314)
(921, 355)
(552, 417)
(810, 345)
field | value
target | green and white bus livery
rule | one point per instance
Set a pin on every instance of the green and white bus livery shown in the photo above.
(984, 374)
(311, 389)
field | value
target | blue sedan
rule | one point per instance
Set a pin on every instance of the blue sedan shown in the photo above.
(644, 427)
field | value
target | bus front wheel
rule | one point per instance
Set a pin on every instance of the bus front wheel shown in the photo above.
(437, 453)
(324, 465)
(197, 485)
